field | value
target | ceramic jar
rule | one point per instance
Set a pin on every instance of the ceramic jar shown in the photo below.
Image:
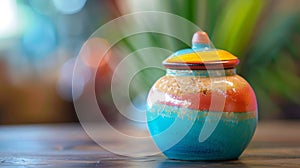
(201, 109)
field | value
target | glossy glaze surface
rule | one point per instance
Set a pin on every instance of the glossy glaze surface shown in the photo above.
(186, 124)
(196, 92)
(227, 141)
(201, 109)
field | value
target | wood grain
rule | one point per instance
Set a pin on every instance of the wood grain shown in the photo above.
(275, 144)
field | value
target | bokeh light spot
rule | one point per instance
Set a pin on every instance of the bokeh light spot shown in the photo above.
(92, 50)
(65, 80)
(43, 7)
(40, 38)
(70, 6)
(8, 18)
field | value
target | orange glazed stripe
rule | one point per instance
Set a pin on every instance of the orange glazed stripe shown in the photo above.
(232, 103)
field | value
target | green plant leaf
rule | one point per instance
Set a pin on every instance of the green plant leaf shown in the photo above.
(235, 26)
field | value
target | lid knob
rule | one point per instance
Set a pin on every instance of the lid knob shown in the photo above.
(200, 40)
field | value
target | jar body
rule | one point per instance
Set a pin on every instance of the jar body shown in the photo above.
(201, 115)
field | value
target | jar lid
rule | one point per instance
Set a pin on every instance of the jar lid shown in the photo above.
(201, 56)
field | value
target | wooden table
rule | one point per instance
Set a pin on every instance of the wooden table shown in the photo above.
(275, 144)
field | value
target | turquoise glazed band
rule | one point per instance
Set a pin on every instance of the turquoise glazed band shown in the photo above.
(227, 141)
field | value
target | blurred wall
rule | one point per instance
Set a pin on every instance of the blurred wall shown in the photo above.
(40, 40)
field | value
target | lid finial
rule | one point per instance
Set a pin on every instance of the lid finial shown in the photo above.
(200, 40)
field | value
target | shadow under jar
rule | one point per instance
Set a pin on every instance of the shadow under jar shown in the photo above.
(201, 109)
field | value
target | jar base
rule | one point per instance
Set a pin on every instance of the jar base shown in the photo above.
(197, 157)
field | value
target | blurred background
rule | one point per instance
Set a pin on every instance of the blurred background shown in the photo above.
(40, 40)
